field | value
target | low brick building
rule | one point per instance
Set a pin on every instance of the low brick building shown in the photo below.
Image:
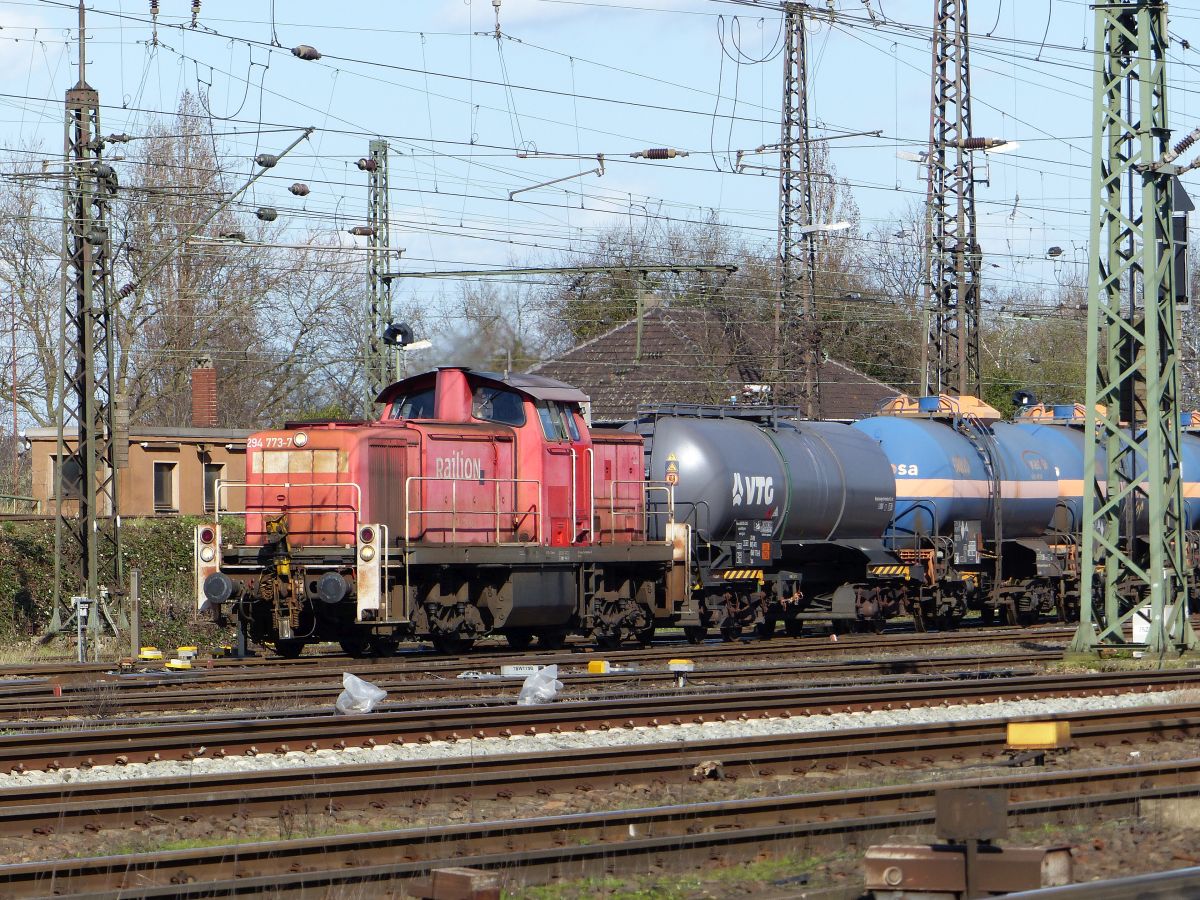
(171, 471)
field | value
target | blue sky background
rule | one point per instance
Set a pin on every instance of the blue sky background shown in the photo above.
(576, 77)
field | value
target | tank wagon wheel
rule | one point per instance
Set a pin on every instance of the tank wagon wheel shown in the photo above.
(554, 638)
(695, 634)
(608, 641)
(765, 629)
(519, 640)
(730, 633)
(645, 636)
(289, 649)
(794, 627)
(452, 643)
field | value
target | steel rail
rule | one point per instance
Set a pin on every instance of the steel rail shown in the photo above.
(428, 661)
(186, 740)
(729, 829)
(82, 806)
(171, 693)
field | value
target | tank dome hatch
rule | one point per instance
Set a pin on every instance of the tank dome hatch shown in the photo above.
(940, 406)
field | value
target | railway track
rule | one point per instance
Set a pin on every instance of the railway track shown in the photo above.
(113, 699)
(675, 836)
(224, 736)
(90, 806)
(425, 661)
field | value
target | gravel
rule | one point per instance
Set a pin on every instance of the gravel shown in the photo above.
(541, 743)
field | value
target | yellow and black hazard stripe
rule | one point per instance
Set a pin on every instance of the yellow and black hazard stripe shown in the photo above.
(740, 574)
(889, 571)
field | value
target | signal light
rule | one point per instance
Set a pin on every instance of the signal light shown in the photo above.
(207, 535)
(207, 554)
(366, 534)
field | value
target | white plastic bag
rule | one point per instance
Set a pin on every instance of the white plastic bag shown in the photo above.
(540, 687)
(358, 696)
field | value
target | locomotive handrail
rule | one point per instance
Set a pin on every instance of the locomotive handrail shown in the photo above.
(335, 507)
(453, 511)
(642, 509)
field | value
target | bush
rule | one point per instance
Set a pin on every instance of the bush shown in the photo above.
(161, 548)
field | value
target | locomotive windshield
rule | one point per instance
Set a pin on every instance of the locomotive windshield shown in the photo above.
(417, 405)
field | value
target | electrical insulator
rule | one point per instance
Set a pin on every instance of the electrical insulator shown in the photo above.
(307, 52)
(362, 231)
(154, 7)
(367, 165)
(658, 153)
(119, 138)
(300, 189)
(125, 291)
(267, 214)
(267, 160)
(233, 236)
(195, 11)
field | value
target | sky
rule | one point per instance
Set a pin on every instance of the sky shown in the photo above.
(471, 118)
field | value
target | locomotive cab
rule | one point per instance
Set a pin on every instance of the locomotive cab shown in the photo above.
(477, 503)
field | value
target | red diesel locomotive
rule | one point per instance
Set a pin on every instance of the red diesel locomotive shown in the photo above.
(477, 504)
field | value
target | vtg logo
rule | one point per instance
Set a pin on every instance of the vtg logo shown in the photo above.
(753, 490)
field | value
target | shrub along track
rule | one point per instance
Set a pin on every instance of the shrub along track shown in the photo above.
(670, 836)
(223, 736)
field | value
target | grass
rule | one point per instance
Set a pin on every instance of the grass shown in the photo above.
(704, 882)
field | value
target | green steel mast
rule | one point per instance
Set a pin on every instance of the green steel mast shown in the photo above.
(1133, 529)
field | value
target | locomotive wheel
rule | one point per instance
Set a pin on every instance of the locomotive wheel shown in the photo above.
(645, 636)
(765, 629)
(695, 634)
(289, 649)
(552, 638)
(519, 640)
(987, 615)
(383, 646)
(793, 627)
(359, 648)
(608, 641)
(452, 643)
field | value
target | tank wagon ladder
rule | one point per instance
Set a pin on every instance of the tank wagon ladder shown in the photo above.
(981, 439)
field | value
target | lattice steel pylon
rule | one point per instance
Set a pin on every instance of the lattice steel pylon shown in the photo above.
(87, 454)
(796, 250)
(950, 352)
(1134, 515)
(380, 358)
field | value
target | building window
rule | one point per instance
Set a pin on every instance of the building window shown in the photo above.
(164, 487)
(69, 474)
(212, 474)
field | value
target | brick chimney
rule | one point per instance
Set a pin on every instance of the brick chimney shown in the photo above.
(204, 395)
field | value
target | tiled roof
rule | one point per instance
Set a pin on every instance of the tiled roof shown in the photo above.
(686, 357)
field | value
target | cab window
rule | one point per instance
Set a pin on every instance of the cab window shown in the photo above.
(568, 416)
(418, 405)
(550, 417)
(493, 404)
